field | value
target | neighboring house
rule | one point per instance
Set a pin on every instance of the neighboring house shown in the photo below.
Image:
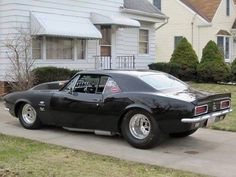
(83, 34)
(199, 21)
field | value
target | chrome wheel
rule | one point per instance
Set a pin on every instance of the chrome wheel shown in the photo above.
(29, 114)
(139, 126)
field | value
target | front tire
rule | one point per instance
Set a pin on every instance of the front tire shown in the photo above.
(28, 117)
(141, 130)
(183, 134)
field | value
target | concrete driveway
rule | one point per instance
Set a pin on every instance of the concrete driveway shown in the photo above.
(207, 151)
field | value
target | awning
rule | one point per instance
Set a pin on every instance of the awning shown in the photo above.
(64, 26)
(99, 19)
(223, 33)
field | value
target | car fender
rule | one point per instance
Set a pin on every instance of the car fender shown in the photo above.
(137, 106)
(18, 103)
(132, 107)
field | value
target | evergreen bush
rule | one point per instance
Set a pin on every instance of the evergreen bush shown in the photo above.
(185, 57)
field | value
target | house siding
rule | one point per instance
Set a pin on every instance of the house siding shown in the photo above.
(180, 24)
(16, 14)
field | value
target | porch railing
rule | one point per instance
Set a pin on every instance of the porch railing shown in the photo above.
(120, 62)
(103, 62)
(126, 62)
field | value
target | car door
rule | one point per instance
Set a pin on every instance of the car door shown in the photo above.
(78, 103)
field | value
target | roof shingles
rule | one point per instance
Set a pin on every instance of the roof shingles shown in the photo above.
(205, 8)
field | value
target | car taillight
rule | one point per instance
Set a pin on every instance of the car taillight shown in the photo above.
(201, 110)
(225, 104)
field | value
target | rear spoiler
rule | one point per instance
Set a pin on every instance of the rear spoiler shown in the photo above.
(213, 97)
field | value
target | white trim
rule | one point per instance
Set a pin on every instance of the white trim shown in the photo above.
(44, 48)
(75, 46)
(147, 14)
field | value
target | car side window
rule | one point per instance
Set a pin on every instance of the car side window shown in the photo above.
(87, 84)
(102, 83)
(70, 86)
(111, 87)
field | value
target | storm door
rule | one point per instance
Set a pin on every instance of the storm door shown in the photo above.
(105, 43)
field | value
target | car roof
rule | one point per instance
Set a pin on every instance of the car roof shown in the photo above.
(128, 80)
(136, 73)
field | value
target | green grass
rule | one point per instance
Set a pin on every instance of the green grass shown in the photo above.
(26, 158)
(229, 124)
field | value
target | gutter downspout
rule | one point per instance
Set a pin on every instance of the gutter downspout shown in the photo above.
(192, 25)
(165, 23)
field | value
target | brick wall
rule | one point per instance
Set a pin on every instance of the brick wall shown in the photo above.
(4, 88)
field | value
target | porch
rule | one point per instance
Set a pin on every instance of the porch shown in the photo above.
(118, 62)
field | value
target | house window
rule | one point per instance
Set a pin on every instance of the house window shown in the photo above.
(81, 45)
(37, 48)
(105, 42)
(58, 48)
(228, 7)
(177, 40)
(143, 41)
(223, 43)
(157, 3)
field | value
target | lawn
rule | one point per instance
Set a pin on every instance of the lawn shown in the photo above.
(229, 124)
(26, 158)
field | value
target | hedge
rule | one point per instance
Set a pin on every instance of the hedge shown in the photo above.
(49, 74)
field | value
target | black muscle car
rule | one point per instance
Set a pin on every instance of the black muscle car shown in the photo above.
(143, 106)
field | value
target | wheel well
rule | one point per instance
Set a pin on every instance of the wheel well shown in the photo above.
(123, 115)
(17, 107)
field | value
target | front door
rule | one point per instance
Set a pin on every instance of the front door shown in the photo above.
(105, 43)
(77, 106)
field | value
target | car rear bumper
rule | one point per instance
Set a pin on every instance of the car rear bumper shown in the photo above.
(206, 116)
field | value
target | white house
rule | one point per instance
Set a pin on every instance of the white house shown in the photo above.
(199, 21)
(83, 34)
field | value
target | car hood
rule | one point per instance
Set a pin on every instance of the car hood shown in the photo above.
(193, 95)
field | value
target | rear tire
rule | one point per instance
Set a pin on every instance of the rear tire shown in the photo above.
(141, 130)
(28, 117)
(183, 134)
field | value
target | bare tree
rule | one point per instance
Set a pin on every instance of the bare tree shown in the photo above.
(19, 47)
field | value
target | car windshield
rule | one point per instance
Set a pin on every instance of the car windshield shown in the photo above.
(163, 81)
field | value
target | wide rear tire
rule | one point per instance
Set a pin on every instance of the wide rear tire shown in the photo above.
(28, 117)
(141, 130)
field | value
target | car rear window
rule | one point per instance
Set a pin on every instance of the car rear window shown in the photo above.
(163, 81)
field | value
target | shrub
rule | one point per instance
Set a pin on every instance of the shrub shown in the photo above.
(233, 70)
(49, 74)
(164, 67)
(211, 52)
(186, 58)
(171, 68)
(212, 67)
(73, 72)
(213, 72)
